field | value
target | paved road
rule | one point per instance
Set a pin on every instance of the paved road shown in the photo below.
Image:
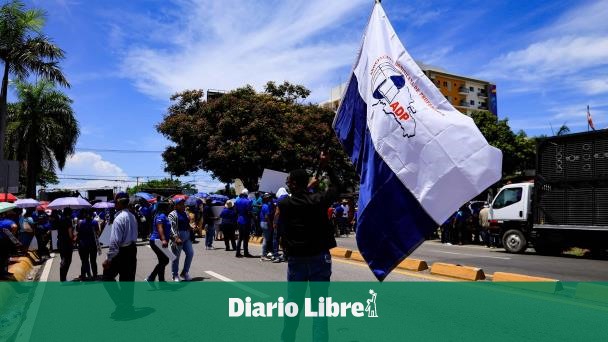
(220, 265)
(564, 268)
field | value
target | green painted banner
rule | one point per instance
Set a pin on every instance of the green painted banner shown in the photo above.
(273, 311)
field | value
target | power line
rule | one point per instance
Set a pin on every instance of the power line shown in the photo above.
(86, 149)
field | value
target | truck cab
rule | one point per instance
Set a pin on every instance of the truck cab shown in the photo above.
(511, 210)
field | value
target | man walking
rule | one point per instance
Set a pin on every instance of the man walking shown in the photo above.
(122, 252)
(243, 209)
(122, 258)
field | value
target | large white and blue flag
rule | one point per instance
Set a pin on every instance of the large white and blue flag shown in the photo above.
(419, 158)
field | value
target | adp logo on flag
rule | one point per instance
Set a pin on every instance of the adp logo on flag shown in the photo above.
(394, 97)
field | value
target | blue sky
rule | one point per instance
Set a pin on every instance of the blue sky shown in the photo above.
(549, 60)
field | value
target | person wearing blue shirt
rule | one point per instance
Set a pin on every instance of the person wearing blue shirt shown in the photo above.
(228, 225)
(180, 228)
(266, 228)
(65, 240)
(86, 233)
(244, 207)
(8, 242)
(161, 230)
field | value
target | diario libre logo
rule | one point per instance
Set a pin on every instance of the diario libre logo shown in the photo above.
(321, 307)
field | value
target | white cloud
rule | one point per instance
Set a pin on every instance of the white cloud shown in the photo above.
(90, 170)
(572, 50)
(594, 87)
(227, 44)
(554, 57)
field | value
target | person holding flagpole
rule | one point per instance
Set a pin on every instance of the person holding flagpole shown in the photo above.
(306, 238)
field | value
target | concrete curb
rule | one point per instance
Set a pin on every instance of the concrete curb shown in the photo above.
(340, 252)
(21, 269)
(415, 265)
(511, 277)
(526, 282)
(356, 256)
(457, 271)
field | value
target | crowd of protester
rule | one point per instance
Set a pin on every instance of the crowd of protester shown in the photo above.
(470, 225)
(175, 224)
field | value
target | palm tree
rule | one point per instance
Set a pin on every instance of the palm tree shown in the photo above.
(41, 130)
(563, 130)
(24, 50)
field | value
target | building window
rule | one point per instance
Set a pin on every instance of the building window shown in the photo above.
(471, 89)
(472, 102)
(445, 84)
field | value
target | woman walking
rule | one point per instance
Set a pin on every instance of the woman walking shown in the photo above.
(180, 228)
(65, 240)
(86, 234)
(161, 230)
(228, 225)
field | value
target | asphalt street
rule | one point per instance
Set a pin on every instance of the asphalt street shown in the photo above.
(565, 268)
(221, 265)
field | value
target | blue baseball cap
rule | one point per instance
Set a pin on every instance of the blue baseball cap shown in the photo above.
(178, 200)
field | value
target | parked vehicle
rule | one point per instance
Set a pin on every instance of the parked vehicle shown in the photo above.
(566, 206)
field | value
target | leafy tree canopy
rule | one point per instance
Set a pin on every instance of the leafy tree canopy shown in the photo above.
(161, 184)
(518, 150)
(242, 132)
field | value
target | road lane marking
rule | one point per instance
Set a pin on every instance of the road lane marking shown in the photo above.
(46, 271)
(237, 284)
(402, 272)
(474, 255)
(27, 327)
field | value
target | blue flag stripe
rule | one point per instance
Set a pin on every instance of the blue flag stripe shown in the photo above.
(391, 223)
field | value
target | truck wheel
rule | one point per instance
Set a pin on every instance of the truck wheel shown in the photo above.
(547, 249)
(514, 241)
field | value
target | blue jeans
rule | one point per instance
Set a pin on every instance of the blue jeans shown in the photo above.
(267, 241)
(186, 245)
(209, 235)
(302, 272)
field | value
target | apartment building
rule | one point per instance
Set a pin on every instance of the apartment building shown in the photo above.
(467, 94)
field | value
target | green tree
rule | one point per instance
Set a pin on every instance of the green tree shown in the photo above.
(563, 130)
(25, 50)
(161, 184)
(243, 132)
(41, 130)
(518, 150)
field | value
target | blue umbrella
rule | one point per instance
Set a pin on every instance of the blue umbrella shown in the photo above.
(201, 195)
(145, 196)
(193, 202)
(218, 199)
